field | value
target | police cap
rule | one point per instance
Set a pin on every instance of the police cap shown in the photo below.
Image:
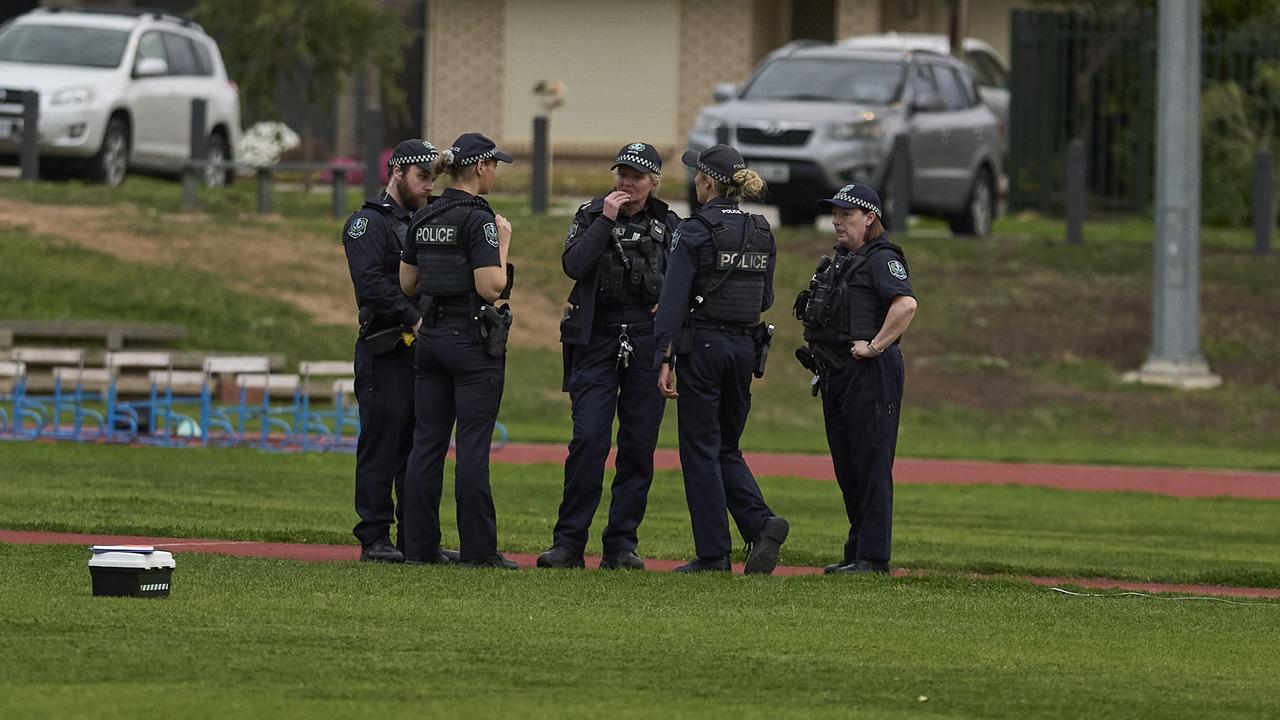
(718, 162)
(414, 152)
(855, 196)
(640, 156)
(471, 148)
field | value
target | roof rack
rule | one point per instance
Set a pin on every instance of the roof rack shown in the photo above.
(138, 12)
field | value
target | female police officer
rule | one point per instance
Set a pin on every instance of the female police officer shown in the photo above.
(616, 252)
(719, 280)
(456, 263)
(854, 313)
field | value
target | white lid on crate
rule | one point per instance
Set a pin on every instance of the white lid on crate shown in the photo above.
(157, 559)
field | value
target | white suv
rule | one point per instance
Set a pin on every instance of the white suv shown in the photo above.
(115, 91)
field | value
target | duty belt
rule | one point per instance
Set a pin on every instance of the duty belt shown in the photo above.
(637, 328)
(724, 327)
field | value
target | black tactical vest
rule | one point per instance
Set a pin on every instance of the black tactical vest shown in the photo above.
(632, 266)
(856, 311)
(444, 264)
(732, 288)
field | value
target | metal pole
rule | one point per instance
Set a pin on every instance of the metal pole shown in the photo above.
(30, 135)
(1175, 357)
(1075, 191)
(900, 184)
(264, 191)
(1264, 214)
(194, 170)
(372, 152)
(339, 192)
(540, 185)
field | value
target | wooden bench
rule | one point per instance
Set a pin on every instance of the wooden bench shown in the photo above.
(114, 334)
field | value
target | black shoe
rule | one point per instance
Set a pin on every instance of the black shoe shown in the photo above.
(835, 567)
(560, 557)
(625, 560)
(442, 557)
(493, 561)
(381, 551)
(763, 557)
(861, 567)
(708, 564)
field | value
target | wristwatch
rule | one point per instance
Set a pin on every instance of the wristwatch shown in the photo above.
(669, 360)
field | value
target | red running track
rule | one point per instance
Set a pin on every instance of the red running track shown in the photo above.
(1098, 478)
(351, 553)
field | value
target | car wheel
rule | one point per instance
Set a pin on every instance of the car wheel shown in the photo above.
(802, 215)
(214, 176)
(979, 211)
(111, 163)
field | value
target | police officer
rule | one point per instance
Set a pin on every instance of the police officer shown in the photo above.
(857, 307)
(455, 262)
(373, 238)
(616, 252)
(719, 280)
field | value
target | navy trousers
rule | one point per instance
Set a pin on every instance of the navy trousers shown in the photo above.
(860, 406)
(598, 390)
(384, 391)
(714, 383)
(456, 382)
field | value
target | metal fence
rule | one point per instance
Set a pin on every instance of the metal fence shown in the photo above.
(1078, 77)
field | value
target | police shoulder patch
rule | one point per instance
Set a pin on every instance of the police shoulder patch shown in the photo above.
(897, 270)
(491, 234)
(357, 227)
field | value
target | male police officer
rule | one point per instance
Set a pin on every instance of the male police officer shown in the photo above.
(373, 238)
(854, 313)
(616, 252)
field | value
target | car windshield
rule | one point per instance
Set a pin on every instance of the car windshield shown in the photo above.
(62, 45)
(828, 80)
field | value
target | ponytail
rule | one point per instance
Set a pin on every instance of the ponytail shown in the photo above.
(747, 184)
(443, 162)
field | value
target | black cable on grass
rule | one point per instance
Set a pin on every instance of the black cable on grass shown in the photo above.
(1158, 597)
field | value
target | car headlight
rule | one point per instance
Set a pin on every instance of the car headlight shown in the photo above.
(858, 130)
(72, 96)
(706, 125)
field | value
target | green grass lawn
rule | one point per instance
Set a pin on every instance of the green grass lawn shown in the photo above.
(1016, 354)
(251, 638)
(247, 495)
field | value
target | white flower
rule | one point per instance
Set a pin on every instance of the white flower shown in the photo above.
(265, 142)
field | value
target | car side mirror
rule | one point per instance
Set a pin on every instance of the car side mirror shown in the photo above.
(150, 67)
(724, 92)
(926, 102)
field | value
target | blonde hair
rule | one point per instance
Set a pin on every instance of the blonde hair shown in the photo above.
(445, 163)
(876, 229)
(747, 185)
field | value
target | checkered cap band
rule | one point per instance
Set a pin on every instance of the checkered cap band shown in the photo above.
(428, 157)
(865, 205)
(714, 174)
(632, 158)
(463, 161)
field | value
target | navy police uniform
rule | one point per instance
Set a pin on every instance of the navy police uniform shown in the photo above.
(861, 399)
(458, 372)
(719, 281)
(373, 238)
(607, 334)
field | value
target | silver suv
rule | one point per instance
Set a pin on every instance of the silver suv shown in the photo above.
(814, 117)
(115, 91)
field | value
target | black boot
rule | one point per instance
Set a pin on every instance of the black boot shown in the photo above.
(440, 557)
(707, 564)
(861, 567)
(493, 561)
(381, 550)
(763, 557)
(560, 557)
(625, 560)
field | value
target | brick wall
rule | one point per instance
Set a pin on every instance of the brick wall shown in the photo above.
(465, 69)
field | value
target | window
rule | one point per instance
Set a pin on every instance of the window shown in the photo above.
(204, 59)
(986, 70)
(62, 45)
(182, 57)
(151, 46)
(924, 89)
(827, 80)
(953, 98)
